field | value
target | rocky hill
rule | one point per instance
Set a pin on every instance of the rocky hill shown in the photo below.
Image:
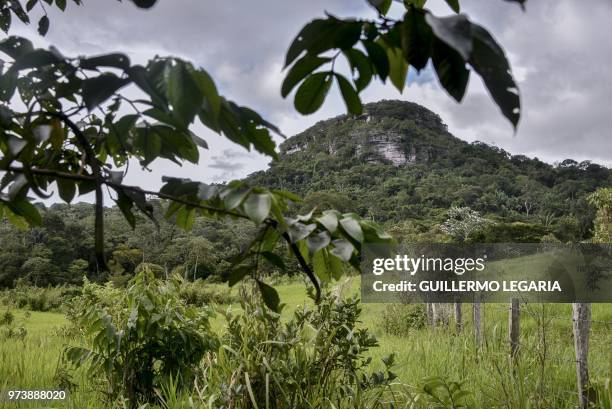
(398, 161)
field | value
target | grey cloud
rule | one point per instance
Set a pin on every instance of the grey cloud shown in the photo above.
(560, 51)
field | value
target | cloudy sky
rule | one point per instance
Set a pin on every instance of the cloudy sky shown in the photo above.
(560, 51)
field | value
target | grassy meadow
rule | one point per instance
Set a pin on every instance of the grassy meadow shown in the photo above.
(543, 376)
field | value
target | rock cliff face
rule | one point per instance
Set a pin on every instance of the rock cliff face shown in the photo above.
(386, 133)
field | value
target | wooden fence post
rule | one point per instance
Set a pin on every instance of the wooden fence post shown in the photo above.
(581, 318)
(458, 317)
(477, 324)
(514, 327)
(429, 313)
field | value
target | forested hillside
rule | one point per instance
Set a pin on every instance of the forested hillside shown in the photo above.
(398, 161)
(397, 164)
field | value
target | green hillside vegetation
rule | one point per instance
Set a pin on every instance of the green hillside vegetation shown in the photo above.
(396, 164)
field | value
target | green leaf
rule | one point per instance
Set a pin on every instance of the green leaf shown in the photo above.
(185, 218)
(451, 70)
(342, 249)
(398, 68)
(378, 57)
(257, 206)
(43, 25)
(454, 4)
(454, 31)
(479, 48)
(274, 259)
(318, 241)
(30, 4)
(350, 96)
(358, 60)
(61, 4)
(207, 87)
(25, 209)
(144, 4)
(114, 60)
(298, 231)
(67, 189)
(125, 205)
(319, 266)
(317, 31)
(352, 228)
(238, 274)
(99, 89)
(329, 220)
(233, 196)
(35, 59)
(382, 6)
(269, 295)
(490, 62)
(311, 94)
(416, 38)
(183, 93)
(5, 20)
(300, 70)
(15, 46)
(8, 85)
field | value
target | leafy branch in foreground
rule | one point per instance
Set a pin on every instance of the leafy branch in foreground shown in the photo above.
(60, 139)
(386, 48)
(78, 124)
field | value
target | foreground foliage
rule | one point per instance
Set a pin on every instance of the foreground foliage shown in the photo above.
(141, 338)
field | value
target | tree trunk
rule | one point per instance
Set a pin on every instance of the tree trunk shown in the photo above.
(582, 325)
(514, 322)
(458, 317)
(477, 324)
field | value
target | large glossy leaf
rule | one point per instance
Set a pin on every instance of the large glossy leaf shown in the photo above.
(455, 31)
(451, 70)
(350, 96)
(398, 68)
(114, 60)
(489, 61)
(43, 25)
(311, 94)
(183, 93)
(416, 38)
(144, 4)
(269, 295)
(323, 34)
(454, 4)
(382, 6)
(207, 87)
(303, 67)
(99, 89)
(257, 206)
(360, 62)
(35, 59)
(22, 207)
(378, 57)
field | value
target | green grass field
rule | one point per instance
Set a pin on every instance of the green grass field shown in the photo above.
(543, 377)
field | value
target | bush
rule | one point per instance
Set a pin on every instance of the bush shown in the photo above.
(400, 319)
(200, 294)
(317, 357)
(141, 338)
(39, 298)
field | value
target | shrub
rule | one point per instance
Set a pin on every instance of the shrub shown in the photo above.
(7, 318)
(315, 358)
(39, 298)
(200, 294)
(400, 319)
(140, 338)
